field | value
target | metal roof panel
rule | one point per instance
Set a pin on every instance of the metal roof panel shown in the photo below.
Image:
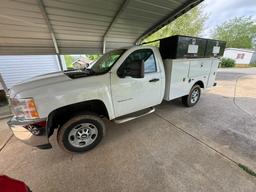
(81, 26)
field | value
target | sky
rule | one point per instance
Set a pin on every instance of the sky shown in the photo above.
(220, 11)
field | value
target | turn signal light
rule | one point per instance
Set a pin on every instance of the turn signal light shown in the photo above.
(24, 108)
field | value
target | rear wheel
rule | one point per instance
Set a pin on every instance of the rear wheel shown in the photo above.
(81, 133)
(193, 97)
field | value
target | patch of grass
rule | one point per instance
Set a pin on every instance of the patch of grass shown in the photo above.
(247, 170)
(253, 64)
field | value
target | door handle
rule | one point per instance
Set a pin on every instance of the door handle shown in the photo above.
(154, 80)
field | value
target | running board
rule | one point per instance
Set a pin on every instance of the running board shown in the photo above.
(130, 117)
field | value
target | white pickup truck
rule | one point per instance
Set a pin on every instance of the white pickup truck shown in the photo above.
(120, 83)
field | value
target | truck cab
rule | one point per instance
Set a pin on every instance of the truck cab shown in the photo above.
(131, 91)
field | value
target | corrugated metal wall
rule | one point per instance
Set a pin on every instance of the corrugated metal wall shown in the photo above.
(15, 69)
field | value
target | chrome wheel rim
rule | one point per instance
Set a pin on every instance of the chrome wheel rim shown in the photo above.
(194, 96)
(82, 135)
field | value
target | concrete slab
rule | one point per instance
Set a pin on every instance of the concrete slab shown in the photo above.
(223, 117)
(5, 133)
(245, 94)
(147, 154)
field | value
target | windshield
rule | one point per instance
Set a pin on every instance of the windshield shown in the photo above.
(105, 63)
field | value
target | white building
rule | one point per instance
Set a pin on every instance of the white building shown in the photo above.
(15, 69)
(241, 56)
(82, 62)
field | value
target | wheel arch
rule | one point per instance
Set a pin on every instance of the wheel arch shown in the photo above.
(61, 115)
(200, 83)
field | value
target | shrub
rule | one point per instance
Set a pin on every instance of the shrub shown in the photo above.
(253, 64)
(227, 62)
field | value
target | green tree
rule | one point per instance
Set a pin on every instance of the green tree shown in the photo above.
(239, 32)
(191, 24)
(94, 57)
(69, 60)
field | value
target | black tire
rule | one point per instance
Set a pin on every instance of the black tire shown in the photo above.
(187, 100)
(70, 126)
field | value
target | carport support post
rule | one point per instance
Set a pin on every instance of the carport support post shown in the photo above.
(104, 46)
(49, 25)
(60, 62)
(3, 84)
(118, 13)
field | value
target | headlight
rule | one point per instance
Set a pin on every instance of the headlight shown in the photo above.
(24, 108)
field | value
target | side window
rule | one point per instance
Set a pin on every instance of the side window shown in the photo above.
(150, 64)
(146, 55)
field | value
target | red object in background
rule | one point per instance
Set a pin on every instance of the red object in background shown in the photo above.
(8, 184)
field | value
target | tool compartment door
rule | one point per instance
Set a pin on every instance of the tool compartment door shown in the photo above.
(213, 72)
(199, 67)
(176, 78)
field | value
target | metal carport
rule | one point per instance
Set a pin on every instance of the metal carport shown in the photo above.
(82, 26)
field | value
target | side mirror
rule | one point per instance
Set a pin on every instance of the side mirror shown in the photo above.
(134, 69)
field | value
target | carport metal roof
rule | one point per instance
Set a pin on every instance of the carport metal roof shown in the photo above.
(82, 26)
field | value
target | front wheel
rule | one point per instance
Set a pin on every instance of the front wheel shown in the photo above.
(81, 133)
(193, 97)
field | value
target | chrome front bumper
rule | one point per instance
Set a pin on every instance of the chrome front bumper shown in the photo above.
(30, 132)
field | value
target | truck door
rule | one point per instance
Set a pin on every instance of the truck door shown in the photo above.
(130, 94)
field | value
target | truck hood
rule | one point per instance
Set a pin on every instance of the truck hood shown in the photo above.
(39, 81)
